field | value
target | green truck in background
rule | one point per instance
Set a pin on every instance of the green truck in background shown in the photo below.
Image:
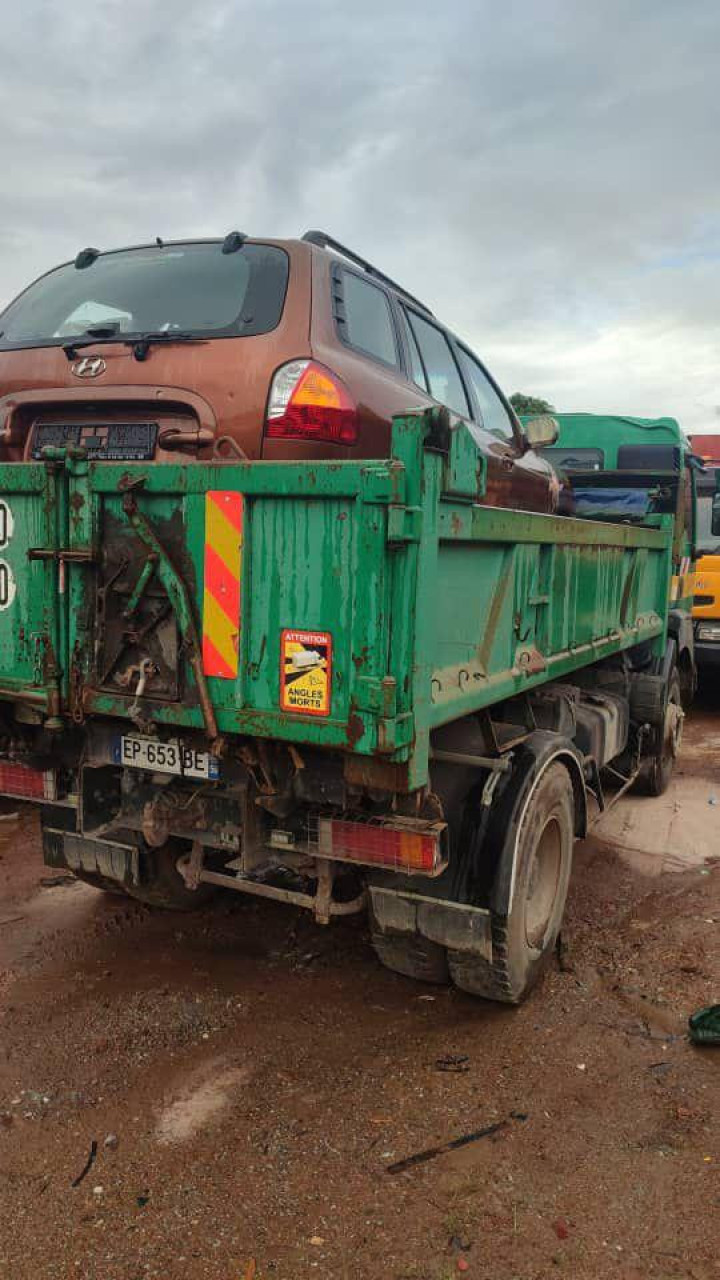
(418, 704)
(617, 467)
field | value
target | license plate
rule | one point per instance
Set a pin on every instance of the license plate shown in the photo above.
(166, 757)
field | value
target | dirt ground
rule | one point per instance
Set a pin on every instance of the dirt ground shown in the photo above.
(249, 1079)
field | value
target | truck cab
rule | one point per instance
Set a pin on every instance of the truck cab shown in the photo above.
(706, 600)
(634, 470)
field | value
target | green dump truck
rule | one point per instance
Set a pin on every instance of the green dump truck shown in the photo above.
(337, 684)
(623, 468)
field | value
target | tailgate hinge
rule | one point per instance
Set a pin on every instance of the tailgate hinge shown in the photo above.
(404, 524)
(377, 696)
(395, 732)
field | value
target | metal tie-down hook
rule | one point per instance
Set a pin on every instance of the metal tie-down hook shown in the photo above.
(147, 670)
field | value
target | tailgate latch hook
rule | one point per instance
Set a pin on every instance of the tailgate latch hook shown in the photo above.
(146, 672)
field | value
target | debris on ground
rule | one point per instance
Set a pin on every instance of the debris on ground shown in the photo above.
(87, 1166)
(704, 1025)
(421, 1157)
(453, 1062)
(458, 1244)
(562, 952)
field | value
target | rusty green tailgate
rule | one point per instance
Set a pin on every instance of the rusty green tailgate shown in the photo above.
(417, 602)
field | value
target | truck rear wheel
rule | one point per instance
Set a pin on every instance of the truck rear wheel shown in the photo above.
(161, 884)
(524, 939)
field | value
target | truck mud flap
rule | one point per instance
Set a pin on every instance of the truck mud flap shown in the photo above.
(451, 924)
(117, 862)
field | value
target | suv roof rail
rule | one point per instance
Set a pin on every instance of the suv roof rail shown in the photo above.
(324, 241)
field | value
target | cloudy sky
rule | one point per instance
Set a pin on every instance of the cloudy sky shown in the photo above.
(546, 174)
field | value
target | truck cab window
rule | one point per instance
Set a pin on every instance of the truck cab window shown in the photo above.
(688, 507)
(707, 543)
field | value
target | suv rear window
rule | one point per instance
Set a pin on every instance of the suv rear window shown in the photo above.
(189, 288)
(365, 321)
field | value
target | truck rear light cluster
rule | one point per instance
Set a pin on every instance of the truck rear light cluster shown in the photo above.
(411, 846)
(307, 402)
(20, 781)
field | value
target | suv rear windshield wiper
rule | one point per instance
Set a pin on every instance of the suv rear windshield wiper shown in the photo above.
(142, 345)
(140, 342)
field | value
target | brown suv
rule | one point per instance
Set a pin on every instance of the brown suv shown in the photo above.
(275, 349)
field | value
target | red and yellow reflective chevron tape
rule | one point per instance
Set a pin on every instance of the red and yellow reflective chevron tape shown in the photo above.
(221, 603)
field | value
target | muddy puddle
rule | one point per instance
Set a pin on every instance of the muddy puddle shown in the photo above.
(200, 1102)
(672, 833)
(64, 905)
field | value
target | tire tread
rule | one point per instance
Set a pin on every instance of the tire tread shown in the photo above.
(411, 955)
(480, 977)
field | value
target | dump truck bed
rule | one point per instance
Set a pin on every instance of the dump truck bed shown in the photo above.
(350, 605)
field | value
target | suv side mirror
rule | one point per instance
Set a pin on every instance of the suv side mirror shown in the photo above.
(542, 432)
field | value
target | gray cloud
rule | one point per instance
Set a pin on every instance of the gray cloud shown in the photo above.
(544, 174)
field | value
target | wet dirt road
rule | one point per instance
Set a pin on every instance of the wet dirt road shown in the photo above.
(249, 1078)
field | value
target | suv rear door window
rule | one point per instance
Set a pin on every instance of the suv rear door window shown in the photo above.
(367, 322)
(417, 371)
(443, 377)
(493, 414)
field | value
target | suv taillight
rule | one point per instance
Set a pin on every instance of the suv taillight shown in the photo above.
(307, 402)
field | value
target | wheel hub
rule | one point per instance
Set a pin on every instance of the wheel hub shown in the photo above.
(543, 883)
(673, 729)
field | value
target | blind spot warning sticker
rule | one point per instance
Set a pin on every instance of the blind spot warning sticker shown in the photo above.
(306, 672)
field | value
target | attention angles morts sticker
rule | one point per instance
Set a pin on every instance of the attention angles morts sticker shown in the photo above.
(306, 672)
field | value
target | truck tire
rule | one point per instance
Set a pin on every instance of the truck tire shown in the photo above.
(162, 884)
(523, 941)
(411, 955)
(660, 765)
(648, 696)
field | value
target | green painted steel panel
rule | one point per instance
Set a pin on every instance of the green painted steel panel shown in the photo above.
(610, 431)
(31, 601)
(607, 435)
